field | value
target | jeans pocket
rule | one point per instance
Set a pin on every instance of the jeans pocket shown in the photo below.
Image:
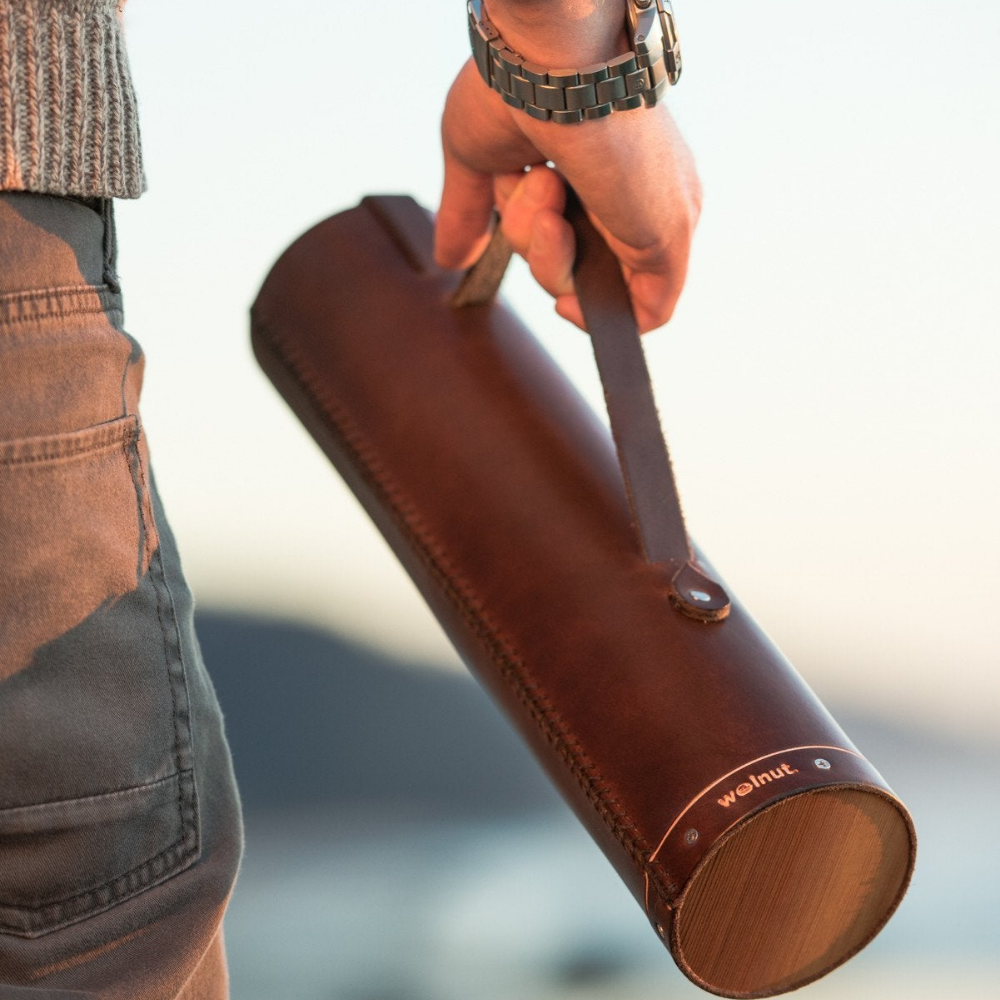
(65, 860)
(73, 531)
(97, 793)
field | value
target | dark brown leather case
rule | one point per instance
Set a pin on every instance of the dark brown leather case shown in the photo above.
(763, 847)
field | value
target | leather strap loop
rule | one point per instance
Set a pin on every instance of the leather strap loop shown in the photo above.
(482, 281)
(635, 424)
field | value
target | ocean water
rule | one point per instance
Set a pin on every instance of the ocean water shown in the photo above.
(402, 845)
(382, 909)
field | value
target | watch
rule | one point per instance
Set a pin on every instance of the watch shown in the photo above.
(633, 80)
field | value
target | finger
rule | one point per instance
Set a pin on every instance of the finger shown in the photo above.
(504, 186)
(568, 306)
(655, 295)
(649, 151)
(551, 253)
(649, 308)
(541, 189)
(465, 216)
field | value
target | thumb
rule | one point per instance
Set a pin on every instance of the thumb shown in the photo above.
(465, 217)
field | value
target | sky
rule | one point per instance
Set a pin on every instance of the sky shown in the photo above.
(835, 423)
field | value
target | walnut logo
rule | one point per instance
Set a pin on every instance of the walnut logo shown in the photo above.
(756, 781)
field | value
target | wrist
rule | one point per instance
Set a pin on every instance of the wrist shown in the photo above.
(569, 92)
(558, 33)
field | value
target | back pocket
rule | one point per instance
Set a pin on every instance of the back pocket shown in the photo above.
(97, 795)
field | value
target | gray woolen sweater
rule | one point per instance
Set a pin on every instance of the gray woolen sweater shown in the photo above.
(68, 121)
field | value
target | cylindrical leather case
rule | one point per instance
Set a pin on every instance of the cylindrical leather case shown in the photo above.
(763, 847)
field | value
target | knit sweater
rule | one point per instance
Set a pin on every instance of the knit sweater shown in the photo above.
(68, 121)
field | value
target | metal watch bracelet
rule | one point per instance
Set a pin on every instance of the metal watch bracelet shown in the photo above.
(632, 80)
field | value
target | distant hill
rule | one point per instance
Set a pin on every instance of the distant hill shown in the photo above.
(315, 719)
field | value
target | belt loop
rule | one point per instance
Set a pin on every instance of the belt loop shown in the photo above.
(110, 245)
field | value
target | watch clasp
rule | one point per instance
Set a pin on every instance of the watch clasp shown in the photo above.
(655, 43)
(481, 33)
(671, 41)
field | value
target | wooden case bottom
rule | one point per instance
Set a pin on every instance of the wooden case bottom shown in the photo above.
(792, 892)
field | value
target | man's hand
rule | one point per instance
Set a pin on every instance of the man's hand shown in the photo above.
(632, 170)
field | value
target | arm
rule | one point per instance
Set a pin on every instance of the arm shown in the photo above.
(632, 169)
(68, 118)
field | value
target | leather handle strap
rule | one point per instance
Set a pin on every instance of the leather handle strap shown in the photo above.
(635, 424)
(481, 282)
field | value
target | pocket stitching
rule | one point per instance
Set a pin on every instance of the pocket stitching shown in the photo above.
(53, 804)
(34, 922)
(75, 444)
(59, 303)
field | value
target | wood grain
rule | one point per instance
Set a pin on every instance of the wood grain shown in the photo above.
(793, 892)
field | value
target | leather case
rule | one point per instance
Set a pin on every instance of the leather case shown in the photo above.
(763, 847)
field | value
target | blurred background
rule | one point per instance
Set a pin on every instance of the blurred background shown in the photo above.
(835, 431)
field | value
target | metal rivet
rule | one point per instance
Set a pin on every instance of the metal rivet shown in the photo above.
(700, 595)
(823, 765)
(640, 38)
(642, 5)
(690, 837)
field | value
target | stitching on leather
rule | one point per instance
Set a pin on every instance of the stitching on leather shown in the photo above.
(470, 607)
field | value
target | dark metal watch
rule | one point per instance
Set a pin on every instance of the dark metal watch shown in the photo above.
(633, 80)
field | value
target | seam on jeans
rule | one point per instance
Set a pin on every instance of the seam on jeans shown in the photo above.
(74, 444)
(463, 598)
(177, 682)
(49, 292)
(151, 533)
(93, 796)
(59, 303)
(61, 314)
(182, 714)
(130, 451)
(28, 922)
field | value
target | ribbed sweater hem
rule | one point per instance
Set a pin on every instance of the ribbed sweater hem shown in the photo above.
(68, 118)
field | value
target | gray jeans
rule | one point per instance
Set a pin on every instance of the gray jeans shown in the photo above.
(120, 830)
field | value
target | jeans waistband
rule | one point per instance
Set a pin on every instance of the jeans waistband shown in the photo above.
(48, 242)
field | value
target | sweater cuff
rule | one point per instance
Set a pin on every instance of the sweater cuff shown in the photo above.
(68, 119)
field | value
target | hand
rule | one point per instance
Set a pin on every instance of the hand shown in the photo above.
(632, 170)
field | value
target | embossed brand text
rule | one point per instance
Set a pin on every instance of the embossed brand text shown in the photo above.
(756, 781)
